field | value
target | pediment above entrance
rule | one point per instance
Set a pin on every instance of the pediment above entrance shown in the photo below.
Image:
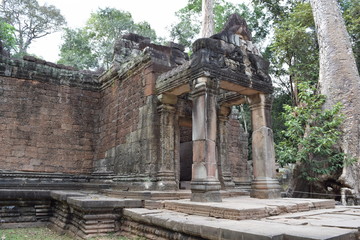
(229, 58)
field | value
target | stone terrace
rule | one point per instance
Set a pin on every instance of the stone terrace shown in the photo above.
(243, 218)
(85, 214)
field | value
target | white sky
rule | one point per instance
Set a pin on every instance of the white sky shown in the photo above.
(159, 13)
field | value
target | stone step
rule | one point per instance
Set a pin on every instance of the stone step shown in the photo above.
(242, 208)
(166, 195)
(168, 222)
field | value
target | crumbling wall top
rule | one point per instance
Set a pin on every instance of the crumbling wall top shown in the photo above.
(32, 68)
(131, 45)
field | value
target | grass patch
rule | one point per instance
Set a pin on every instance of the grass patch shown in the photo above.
(45, 234)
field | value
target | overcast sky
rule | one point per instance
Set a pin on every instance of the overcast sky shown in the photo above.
(159, 13)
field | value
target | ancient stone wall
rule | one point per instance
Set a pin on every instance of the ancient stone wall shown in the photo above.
(238, 151)
(129, 142)
(127, 121)
(47, 117)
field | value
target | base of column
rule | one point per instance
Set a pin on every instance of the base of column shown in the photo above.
(243, 183)
(228, 181)
(166, 181)
(205, 191)
(265, 189)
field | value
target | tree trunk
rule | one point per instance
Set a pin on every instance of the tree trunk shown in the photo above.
(207, 29)
(339, 79)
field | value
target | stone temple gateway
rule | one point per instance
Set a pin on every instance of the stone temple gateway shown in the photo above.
(225, 70)
(155, 120)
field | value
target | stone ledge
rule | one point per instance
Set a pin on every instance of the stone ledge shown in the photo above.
(29, 194)
(62, 196)
(98, 201)
(166, 195)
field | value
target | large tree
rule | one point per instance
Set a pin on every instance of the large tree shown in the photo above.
(351, 13)
(188, 26)
(92, 46)
(207, 28)
(7, 37)
(77, 50)
(30, 20)
(339, 79)
(294, 50)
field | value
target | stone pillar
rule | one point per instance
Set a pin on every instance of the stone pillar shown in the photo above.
(205, 186)
(264, 184)
(166, 174)
(223, 160)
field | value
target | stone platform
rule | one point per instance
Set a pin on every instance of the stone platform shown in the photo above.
(242, 218)
(146, 222)
(88, 214)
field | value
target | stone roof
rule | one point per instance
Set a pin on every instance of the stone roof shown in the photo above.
(227, 56)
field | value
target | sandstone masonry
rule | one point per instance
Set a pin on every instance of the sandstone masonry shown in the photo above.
(156, 120)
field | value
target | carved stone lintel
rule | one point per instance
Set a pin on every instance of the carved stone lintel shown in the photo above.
(166, 98)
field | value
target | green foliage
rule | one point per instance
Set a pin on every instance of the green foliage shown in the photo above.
(92, 46)
(31, 234)
(76, 49)
(187, 29)
(311, 136)
(31, 21)
(294, 50)
(278, 124)
(7, 35)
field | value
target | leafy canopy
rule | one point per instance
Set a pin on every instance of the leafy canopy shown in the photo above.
(30, 20)
(92, 46)
(294, 51)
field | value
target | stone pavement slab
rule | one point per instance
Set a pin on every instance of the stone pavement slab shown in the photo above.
(340, 217)
(213, 228)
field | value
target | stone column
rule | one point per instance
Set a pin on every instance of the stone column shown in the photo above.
(205, 186)
(166, 174)
(223, 160)
(264, 184)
